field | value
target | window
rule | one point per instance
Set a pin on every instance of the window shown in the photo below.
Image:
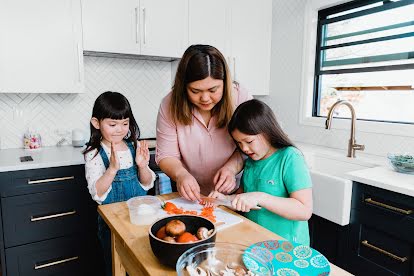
(365, 54)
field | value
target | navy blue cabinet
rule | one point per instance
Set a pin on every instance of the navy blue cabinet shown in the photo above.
(48, 223)
(381, 233)
(330, 239)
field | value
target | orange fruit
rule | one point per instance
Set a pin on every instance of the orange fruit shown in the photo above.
(161, 234)
(187, 237)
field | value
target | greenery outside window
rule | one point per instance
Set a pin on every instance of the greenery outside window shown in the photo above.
(365, 54)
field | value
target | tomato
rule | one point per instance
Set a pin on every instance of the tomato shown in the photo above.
(186, 237)
(169, 207)
(161, 234)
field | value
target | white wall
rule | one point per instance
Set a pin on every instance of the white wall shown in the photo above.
(285, 88)
(143, 82)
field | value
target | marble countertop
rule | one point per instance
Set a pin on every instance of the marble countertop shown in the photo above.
(42, 158)
(385, 178)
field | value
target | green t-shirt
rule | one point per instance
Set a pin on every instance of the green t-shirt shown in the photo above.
(281, 174)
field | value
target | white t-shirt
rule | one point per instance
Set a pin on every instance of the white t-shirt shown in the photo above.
(95, 168)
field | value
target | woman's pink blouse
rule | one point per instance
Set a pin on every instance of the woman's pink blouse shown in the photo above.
(202, 149)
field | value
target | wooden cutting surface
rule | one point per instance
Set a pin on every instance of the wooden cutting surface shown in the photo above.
(132, 251)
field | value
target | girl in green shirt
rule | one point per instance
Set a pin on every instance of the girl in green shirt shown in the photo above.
(275, 175)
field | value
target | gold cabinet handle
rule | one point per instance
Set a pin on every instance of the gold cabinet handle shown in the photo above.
(56, 262)
(50, 180)
(52, 216)
(382, 251)
(396, 209)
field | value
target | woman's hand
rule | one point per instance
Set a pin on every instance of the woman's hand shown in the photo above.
(188, 187)
(142, 155)
(113, 160)
(246, 201)
(225, 180)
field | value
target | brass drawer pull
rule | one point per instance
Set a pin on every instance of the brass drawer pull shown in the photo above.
(53, 216)
(49, 180)
(56, 262)
(380, 250)
(396, 209)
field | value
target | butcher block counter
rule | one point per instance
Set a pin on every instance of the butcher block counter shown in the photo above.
(132, 251)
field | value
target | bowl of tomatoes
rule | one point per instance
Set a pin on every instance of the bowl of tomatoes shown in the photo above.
(172, 236)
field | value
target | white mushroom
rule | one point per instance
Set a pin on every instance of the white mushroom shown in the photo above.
(202, 233)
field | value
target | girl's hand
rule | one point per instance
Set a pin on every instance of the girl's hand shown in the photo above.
(224, 180)
(187, 187)
(142, 155)
(246, 201)
(215, 194)
(113, 160)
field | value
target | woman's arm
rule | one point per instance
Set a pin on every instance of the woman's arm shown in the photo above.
(187, 185)
(225, 178)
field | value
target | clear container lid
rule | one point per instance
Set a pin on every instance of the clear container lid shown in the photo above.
(135, 202)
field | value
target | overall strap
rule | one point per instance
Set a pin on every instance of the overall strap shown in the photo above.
(132, 149)
(105, 159)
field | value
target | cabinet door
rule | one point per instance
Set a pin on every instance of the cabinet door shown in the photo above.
(251, 23)
(207, 24)
(164, 27)
(41, 46)
(111, 26)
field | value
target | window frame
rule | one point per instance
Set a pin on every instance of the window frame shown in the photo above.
(310, 66)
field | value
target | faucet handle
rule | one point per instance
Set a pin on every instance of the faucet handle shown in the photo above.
(358, 147)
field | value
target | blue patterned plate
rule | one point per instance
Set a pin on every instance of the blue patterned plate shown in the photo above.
(290, 258)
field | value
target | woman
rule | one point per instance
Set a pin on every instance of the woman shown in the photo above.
(193, 146)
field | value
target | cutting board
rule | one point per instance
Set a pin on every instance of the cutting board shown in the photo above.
(221, 215)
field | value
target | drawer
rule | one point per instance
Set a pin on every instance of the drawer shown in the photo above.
(62, 256)
(40, 180)
(40, 216)
(382, 201)
(378, 253)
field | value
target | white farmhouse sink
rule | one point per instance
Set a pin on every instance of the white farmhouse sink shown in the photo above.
(331, 190)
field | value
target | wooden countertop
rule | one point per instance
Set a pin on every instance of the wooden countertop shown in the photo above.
(133, 251)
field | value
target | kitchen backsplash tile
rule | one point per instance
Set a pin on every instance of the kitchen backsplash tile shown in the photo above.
(54, 116)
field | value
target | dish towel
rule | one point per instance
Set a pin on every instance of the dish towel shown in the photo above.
(164, 183)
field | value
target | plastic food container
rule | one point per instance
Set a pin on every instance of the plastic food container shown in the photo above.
(143, 210)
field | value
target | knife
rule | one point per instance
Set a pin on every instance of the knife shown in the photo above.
(223, 202)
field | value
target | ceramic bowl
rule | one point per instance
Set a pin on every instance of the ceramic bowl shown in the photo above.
(403, 163)
(169, 252)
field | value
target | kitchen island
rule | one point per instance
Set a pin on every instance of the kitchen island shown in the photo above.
(132, 251)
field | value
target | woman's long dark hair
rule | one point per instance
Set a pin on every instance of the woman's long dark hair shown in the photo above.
(199, 62)
(255, 117)
(112, 105)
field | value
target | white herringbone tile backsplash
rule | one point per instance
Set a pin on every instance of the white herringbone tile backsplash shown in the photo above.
(143, 82)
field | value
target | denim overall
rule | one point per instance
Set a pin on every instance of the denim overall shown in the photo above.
(125, 186)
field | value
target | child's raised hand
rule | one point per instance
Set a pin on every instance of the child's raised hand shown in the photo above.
(142, 156)
(113, 160)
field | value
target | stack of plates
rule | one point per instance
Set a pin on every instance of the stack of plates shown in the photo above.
(289, 258)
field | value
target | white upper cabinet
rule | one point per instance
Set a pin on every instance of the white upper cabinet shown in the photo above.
(241, 30)
(41, 46)
(208, 24)
(250, 31)
(111, 26)
(143, 27)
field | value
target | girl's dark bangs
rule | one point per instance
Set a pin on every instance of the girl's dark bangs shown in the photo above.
(117, 114)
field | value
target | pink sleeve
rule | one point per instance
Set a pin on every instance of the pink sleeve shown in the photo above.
(242, 94)
(167, 140)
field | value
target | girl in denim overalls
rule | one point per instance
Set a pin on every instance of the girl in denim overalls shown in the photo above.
(116, 164)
